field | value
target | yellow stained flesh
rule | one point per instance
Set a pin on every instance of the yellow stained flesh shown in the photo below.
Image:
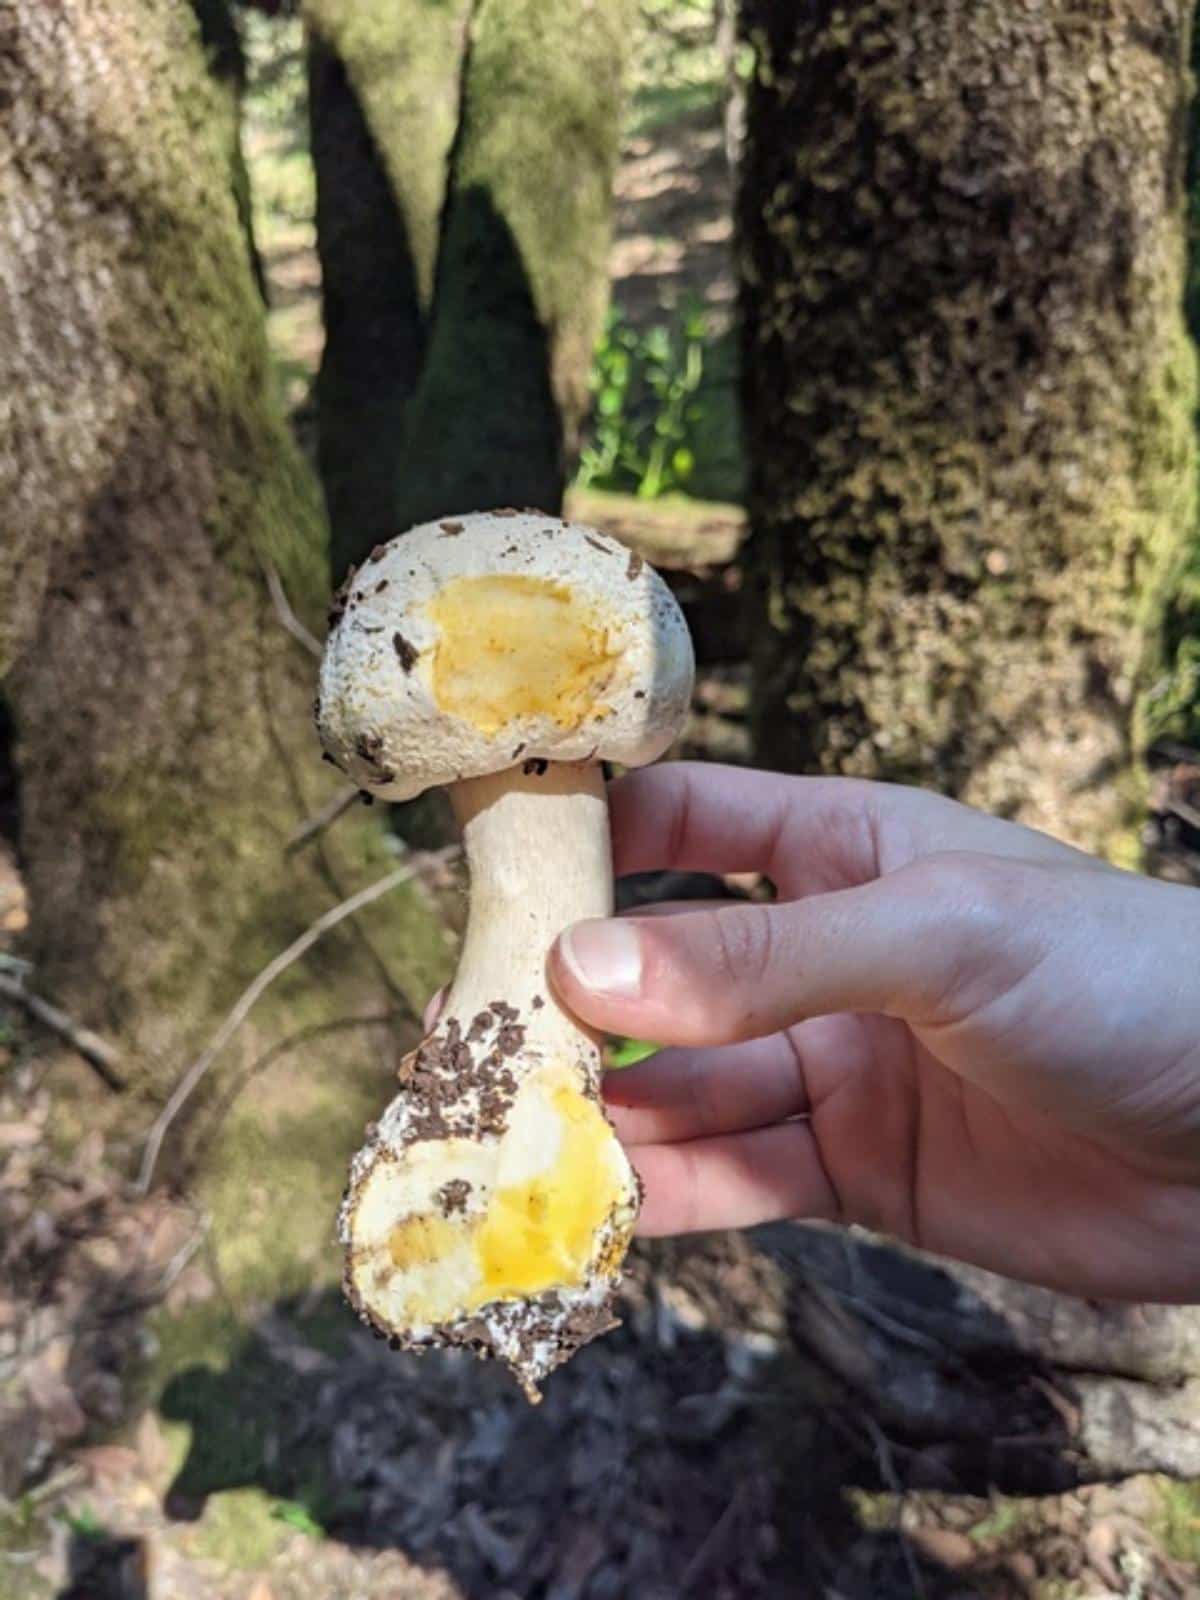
(511, 647)
(534, 1235)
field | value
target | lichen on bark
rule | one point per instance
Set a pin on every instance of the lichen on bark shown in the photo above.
(969, 392)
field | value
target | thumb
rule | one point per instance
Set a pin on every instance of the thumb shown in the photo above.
(904, 945)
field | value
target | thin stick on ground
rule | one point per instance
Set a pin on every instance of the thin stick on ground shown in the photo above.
(320, 820)
(98, 1054)
(187, 1085)
(286, 615)
(710, 1545)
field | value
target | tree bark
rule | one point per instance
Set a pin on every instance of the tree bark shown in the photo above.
(384, 83)
(164, 744)
(497, 140)
(969, 398)
(969, 392)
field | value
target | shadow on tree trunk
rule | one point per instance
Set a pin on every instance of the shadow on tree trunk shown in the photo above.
(375, 327)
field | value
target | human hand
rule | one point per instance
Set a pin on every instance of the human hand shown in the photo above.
(947, 1028)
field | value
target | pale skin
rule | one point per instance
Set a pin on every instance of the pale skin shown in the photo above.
(947, 1028)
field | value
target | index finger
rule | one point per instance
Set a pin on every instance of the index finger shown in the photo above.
(808, 835)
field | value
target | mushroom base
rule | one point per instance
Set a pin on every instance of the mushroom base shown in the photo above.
(494, 1217)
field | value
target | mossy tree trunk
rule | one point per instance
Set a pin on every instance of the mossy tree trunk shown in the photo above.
(969, 391)
(969, 398)
(465, 152)
(162, 714)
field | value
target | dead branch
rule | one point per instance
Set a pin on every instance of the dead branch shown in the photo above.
(320, 820)
(286, 615)
(98, 1054)
(282, 1047)
(254, 992)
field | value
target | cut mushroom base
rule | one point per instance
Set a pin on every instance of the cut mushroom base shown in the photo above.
(493, 1205)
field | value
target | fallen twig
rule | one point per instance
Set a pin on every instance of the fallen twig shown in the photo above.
(1181, 809)
(253, 993)
(286, 615)
(887, 1470)
(281, 1047)
(711, 1543)
(99, 1055)
(322, 819)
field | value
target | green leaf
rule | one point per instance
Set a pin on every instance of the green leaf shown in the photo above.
(628, 1052)
(298, 1517)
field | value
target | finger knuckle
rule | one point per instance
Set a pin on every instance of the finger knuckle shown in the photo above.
(745, 944)
(979, 901)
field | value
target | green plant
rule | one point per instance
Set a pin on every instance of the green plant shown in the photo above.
(299, 1517)
(1179, 1523)
(628, 1052)
(83, 1522)
(646, 409)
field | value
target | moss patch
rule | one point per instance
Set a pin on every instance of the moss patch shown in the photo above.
(241, 1528)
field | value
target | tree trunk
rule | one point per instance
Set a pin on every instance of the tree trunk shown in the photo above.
(969, 399)
(384, 85)
(969, 391)
(164, 744)
(498, 146)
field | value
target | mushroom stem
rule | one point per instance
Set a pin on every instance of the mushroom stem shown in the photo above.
(538, 851)
(492, 1204)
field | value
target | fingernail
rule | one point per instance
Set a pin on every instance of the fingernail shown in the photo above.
(605, 957)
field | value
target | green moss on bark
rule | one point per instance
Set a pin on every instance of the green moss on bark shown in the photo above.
(969, 393)
(475, 392)
(163, 715)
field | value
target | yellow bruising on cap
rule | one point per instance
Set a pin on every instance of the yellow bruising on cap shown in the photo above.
(511, 647)
(538, 1233)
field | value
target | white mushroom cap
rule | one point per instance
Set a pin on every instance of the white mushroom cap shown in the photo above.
(478, 642)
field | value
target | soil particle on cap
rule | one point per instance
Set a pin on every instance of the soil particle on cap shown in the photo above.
(341, 601)
(635, 566)
(639, 694)
(506, 511)
(384, 775)
(378, 553)
(453, 1195)
(381, 585)
(535, 767)
(332, 760)
(450, 528)
(516, 753)
(368, 746)
(503, 1010)
(596, 545)
(407, 652)
(537, 1002)
(367, 799)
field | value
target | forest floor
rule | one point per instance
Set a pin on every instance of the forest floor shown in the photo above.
(666, 1460)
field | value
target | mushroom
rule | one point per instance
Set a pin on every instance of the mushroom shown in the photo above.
(506, 656)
